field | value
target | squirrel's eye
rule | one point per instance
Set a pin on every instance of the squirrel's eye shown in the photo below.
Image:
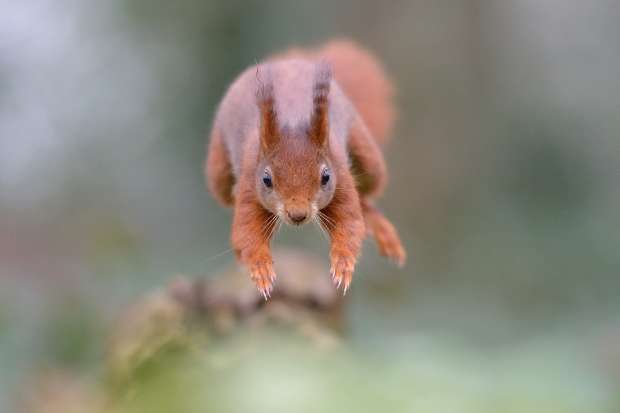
(267, 180)
(325, 177)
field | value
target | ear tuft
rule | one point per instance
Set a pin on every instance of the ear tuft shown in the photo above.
(265, 100)
(319, 122)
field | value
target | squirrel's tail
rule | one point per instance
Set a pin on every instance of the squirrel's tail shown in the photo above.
(363, 79)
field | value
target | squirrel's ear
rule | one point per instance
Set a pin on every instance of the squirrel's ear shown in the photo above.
(268, 128)
(319, 122)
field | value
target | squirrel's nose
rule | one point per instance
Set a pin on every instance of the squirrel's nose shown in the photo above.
(297, 216)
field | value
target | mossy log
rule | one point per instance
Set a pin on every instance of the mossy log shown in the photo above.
(219, 318)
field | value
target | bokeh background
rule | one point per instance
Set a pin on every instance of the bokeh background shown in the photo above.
(504, 164)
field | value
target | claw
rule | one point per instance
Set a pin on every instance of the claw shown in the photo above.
(341, 272)
(263, 276)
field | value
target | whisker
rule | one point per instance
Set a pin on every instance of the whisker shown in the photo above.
(345, 190)
(219, 254)
(325, 231)
(327, 220)
(268, 224)
(325, 227)
(275, 226)
(318, 225)
(272, 228)
(360, 174)
(327, 217)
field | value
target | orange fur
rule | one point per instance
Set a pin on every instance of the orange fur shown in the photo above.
(290, 121)
(218, 170)
(252, 230)
(384, 232)
(346, 227)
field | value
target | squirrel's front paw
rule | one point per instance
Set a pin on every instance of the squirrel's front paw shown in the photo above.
(342, 271)
(263, 275)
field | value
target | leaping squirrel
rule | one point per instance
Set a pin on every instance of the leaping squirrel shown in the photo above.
(296, 139)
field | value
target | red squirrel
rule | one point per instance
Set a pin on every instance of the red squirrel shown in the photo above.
(296, 139)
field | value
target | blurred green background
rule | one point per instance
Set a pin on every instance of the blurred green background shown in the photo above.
(504, 164)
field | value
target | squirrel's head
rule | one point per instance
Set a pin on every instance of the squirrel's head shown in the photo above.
(295, 177)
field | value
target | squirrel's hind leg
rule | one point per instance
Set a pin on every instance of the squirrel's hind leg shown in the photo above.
(370, 171)
(218, 170)
(385, 234)
(367, 163)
